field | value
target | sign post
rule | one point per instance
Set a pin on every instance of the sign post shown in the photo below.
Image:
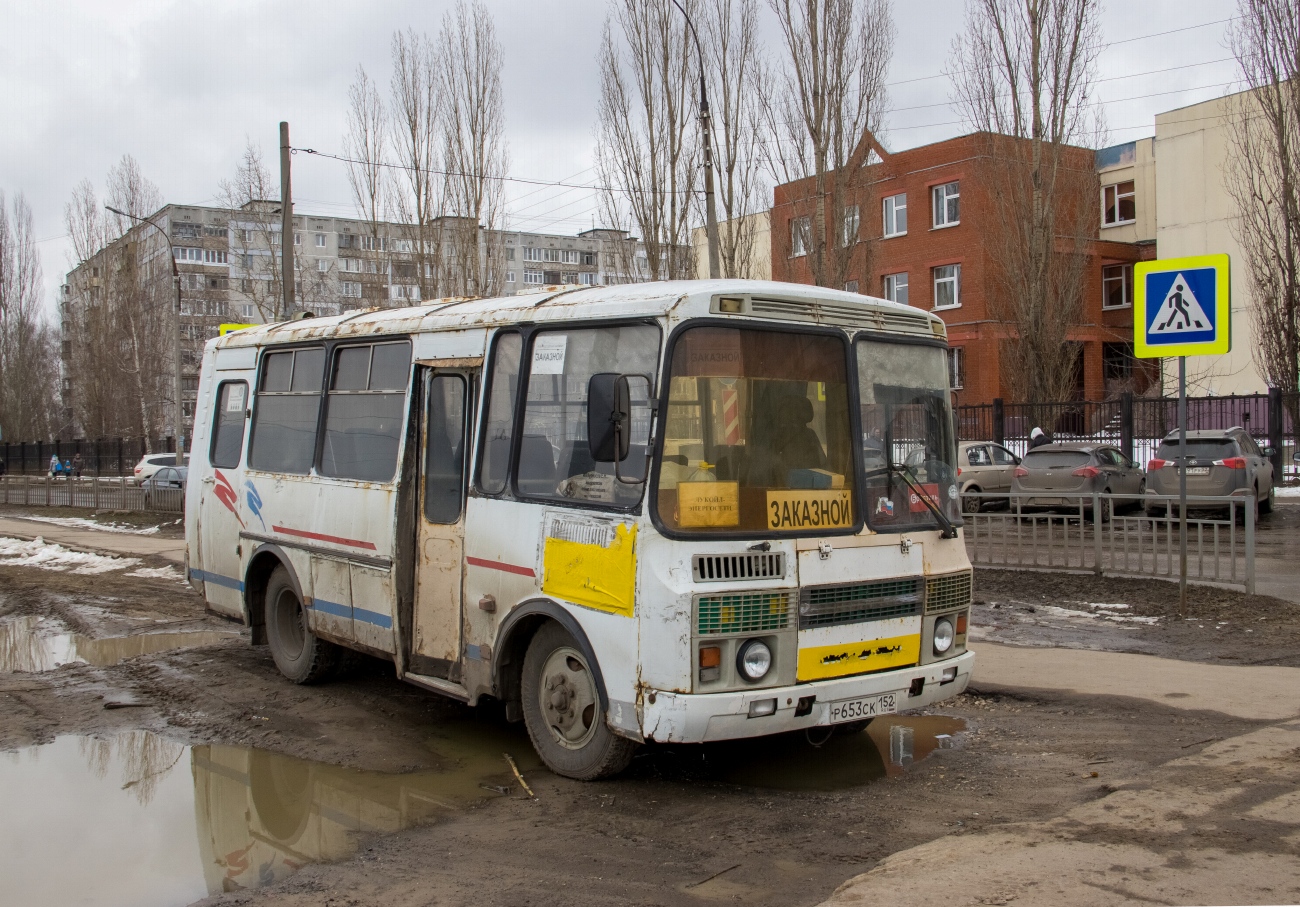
(1182, 307)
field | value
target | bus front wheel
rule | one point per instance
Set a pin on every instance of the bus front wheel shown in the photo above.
(562, 710)
(300, 654)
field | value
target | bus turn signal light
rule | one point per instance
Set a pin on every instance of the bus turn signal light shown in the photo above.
(710, 657)
(961, 623)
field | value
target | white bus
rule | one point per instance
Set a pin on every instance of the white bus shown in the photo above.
(677, 512)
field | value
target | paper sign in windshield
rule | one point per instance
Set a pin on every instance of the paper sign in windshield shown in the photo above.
(548, 354)
(702, 505)
(916, 505)
(811, 509)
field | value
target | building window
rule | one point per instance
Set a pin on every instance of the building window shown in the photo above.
(956, 368)
(181, 253)
(510, 276)
(323, 265)
(589, 259)
(570, 277)
(1116, 286)
(400, 293)
(849, 230)
(350, 265)
(534, 278)
(800, 236)
(895, 289)
(946, 205)
(510, 253)
(297, 239)
(947, 286)
(214, 257)
(1117, 361)
(1118, 204)
(352, 289)
(320, 240)
(570, 256)
(896, 215)
(532, 254)
(587, 278)
(851, 286)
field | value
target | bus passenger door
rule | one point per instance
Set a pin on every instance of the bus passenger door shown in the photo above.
(440, 542)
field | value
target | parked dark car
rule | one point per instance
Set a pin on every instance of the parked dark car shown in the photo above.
(165, 482)
(1059, 475)
(1219, 462)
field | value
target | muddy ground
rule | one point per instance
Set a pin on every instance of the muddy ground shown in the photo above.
(774, 821)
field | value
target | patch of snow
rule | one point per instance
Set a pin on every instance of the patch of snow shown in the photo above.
(36, 553)
(74, 522)
(1102, 606)
(1288, 491)
(157, 573)
(1071, 614)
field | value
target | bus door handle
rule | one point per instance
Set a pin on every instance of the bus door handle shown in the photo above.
(209, 480)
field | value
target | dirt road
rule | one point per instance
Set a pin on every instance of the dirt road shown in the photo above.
(367, 791)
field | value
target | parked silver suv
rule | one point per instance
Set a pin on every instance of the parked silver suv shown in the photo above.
(1219, 462)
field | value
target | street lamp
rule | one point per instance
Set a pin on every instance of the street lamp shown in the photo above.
(710, 214)
(178, 415)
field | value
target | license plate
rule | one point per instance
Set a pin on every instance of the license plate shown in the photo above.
(1198, 470)
(866, 707)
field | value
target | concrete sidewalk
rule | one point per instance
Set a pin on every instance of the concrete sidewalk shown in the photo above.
(97, 541)
(1221, 826)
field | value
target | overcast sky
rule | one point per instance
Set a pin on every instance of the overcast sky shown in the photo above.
(181, 85)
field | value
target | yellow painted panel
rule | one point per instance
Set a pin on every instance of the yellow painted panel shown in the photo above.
(810, 509)
(820, 662)
(593, 575)
(703, 504)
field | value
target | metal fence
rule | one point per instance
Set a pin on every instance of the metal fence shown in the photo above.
(1136, 425)
(103, 457)
(97, 493)
(1097, 537)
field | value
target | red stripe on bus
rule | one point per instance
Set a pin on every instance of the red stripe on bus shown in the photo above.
(497, 565)
(321, 537)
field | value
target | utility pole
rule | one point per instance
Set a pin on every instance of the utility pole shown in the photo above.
(710, 211)
(178, 413)
(286, 227)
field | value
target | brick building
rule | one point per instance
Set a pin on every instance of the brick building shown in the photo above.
(919, 226)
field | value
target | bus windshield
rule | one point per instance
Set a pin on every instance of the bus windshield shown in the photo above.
(907, 439)
(757, 435)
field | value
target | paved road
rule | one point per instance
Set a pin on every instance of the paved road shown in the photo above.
(1219, 826)
(171, 549)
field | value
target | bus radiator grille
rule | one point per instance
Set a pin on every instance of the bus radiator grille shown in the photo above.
(947, 592)
(853, 603)
(743, 612)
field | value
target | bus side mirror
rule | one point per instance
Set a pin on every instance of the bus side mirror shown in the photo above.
(609, 408)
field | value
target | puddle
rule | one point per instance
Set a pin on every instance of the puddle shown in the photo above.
(35, 644)
(788, 762)
(140, 820)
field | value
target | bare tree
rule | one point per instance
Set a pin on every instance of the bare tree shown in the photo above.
(647, 151)
(1263, 177)
(822, 115)
(118, 330)
(737, 79)
(414, 115)
(28, 356)
(252, 203)
(366, 147)
(1022, 75)
(474, 149)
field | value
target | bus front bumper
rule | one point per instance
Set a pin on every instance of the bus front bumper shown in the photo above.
(704, 717)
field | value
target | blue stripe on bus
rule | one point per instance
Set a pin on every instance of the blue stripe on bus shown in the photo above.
(217, 579)
(347, 611)
(334, 608)
(373, 617)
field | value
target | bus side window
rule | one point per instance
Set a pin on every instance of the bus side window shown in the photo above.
(499, 414)
(365, 411)
(288, 405)
(444, 455)
(228, 424)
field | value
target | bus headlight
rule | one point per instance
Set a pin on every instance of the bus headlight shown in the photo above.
(754, 660)
(943, 635)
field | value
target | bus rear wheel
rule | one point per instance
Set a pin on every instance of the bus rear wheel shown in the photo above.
(562, 710)
(300, 654)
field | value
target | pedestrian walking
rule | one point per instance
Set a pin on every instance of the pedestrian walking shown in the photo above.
(55, 466)
(1038, 437)
(76, 465)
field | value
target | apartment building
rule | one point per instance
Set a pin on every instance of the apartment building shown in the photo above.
(923, 226)
(230, 271)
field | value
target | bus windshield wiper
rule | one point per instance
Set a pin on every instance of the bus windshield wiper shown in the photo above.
(949, 530)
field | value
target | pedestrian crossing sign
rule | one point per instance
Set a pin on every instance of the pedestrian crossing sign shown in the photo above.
(1181, 307)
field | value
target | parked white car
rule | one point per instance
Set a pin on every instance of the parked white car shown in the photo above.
(151, 463)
